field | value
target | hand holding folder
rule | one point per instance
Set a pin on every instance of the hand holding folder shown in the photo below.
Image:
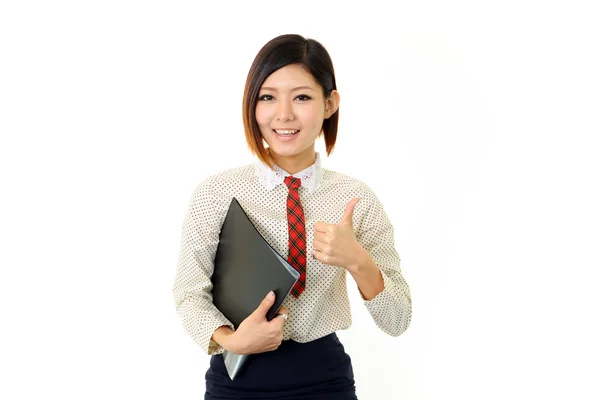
(246, 269)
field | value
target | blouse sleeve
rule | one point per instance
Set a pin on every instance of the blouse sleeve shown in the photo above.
(392, 308)
(192, 289)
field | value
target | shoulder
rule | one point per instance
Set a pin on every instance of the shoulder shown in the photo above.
(212, 195)
(343, 183)
(216, 190)
(369, 218)
(228, 178)
(339, 189)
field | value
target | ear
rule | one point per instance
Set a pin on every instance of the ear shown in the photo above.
(332, 103)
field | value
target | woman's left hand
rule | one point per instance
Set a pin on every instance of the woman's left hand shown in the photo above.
(336, 244)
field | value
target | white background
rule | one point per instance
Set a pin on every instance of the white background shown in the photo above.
(475, 122)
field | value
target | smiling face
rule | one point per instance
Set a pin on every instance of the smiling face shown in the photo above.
(290, 113)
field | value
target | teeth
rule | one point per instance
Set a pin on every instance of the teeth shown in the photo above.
(285, 131)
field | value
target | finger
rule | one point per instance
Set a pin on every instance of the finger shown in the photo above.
(279, 320)
(265, 305)
(320, 256)
(321, 237)
(348, 212)
(283, 310)
(323, 227)
(276, 345)
(317, 245)
(282, 316)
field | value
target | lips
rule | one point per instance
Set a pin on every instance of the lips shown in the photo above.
(286, 132)
(285, 135)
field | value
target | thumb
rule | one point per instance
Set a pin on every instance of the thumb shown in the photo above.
(347, 217)
(264, 306)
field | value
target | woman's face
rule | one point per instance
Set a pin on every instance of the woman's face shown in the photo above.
(290, 112)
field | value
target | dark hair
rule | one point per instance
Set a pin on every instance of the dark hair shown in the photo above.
(277, 53)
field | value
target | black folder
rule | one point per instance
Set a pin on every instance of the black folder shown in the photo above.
(246, 269)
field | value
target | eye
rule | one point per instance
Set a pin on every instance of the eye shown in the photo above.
(265, 97)
(303, 97)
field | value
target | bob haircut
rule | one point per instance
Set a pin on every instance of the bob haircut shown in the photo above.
(277, 53)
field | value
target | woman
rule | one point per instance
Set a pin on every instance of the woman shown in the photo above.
(326, 223)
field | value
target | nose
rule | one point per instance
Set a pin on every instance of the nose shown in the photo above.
(284, 111)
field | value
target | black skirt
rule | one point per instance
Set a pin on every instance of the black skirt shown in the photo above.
(316, 370)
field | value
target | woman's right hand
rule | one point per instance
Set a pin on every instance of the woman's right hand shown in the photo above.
(255, 334)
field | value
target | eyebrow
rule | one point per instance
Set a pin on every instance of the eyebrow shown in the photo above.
(294, 89)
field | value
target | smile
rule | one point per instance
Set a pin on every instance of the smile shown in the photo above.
(286, 132)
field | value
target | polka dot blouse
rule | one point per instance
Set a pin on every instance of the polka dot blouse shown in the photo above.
(323, 307)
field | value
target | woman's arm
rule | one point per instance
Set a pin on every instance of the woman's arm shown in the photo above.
(221, 336)
(385, 292)
(368, 278)
(367, 252)
(193, 286)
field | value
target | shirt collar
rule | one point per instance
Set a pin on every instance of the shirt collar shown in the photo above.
(310, 177)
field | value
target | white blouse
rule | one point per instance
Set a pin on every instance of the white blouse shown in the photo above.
(323, 307)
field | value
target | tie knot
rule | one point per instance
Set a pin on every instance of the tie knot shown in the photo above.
(292, 183)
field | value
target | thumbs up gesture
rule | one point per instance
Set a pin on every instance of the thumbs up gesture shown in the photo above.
(336, 244)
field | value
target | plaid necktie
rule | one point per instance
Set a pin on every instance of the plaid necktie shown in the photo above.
(296, 233)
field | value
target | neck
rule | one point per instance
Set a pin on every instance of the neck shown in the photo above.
(294, 164)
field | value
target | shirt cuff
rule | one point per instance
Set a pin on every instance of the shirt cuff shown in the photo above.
(211, 346)
(382, 296)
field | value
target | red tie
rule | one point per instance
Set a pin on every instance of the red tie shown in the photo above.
(296, 233)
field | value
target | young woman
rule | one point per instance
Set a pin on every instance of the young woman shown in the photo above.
(327, 224)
